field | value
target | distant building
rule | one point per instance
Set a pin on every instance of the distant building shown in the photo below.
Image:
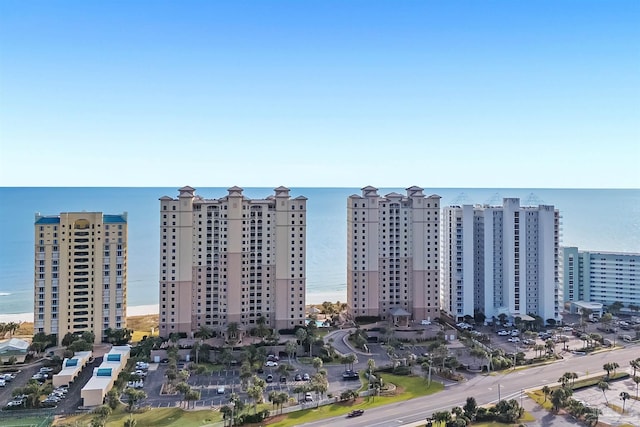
(603, 277)
(232, 260)
(393, 255)
(13, 347)
(80, 273)
(501, 260)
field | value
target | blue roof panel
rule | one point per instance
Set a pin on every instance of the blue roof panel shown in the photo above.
(48, 220)
(114, 219)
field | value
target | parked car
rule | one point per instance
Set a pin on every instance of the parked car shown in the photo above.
(308, 397)
(298, 377)
(269, 378)
(503, 333)
(45, 370)
(2, 383)
(514, 339)
(15, 403)
(220, 389)
(271, 364)
(305, 377)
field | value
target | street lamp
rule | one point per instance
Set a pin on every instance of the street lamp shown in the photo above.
(498, 392)
(521, 393)
(233, 405)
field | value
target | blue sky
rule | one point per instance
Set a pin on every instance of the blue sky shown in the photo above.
(320, 93)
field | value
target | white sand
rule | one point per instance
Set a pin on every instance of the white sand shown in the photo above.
(137, 310)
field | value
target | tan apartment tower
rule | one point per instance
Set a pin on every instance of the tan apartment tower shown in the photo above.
(392, 255)
(80, 281)
(232, 260)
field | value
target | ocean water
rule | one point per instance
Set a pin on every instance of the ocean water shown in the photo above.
(605, 220)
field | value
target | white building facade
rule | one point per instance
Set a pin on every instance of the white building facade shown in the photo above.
(232, 260)
(501, 259)
(393, 254)
(602, 277)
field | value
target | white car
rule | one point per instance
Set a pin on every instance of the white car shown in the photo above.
(271, 364)
(503, 333)
(425, 322)
(514, 339)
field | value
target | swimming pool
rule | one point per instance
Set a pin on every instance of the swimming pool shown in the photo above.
(319, 323)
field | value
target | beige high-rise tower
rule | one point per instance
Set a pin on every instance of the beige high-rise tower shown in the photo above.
(392, 255)
(80, 273)
(232, 260)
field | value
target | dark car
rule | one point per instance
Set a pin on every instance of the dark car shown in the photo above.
(298, 377)
(283, 379)
(350, 375)
(269, 378)
(355, 413)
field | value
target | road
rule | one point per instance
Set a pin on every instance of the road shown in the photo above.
(484, 388)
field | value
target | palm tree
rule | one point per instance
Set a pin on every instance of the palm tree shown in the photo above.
(262, 329)
(204, 333)
(226, 412)
(232, 332)
(12, 327)
(442, 417)
(592, 415)
(282, 398)
(183, 388)
(624, 396)
(317, 363)
(604, 386)
(636, 379)
(546, 390)
(611, 366)
(291, 347)
(273, 397)
(191, 396)
(133, 396)
(550, 345)
(635, 364)
(564, 379)
(301, 335)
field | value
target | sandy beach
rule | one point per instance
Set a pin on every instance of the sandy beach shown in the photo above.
(136, 310)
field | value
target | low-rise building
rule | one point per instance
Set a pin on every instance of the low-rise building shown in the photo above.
(104, 376)
(71, 368)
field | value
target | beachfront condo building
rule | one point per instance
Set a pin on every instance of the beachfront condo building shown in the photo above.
(232, 260)
(602, 277)
(392, 255)
(80, 273)
(501, 260)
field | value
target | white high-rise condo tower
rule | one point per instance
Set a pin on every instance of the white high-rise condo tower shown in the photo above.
(501, 260)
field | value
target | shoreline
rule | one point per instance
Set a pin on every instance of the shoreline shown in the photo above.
(136, 310)
(315, 298)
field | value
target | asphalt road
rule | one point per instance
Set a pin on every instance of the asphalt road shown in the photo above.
(484, 388)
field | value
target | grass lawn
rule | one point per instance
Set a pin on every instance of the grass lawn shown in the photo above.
(165, 417)
(24, 422)
(407, 387)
